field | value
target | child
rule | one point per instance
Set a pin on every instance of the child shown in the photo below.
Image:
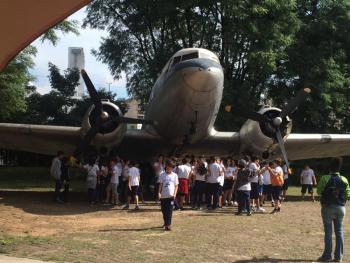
(168, 185)
(276, 174)
(133, 184)
(91, 180)
(112, 187)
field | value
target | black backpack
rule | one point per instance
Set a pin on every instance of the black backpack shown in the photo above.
(202, 170)
(334, 191)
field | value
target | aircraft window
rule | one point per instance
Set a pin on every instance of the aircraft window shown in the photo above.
(176, 60)
(190, 56)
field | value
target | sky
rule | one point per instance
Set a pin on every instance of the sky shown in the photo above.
(88, 39)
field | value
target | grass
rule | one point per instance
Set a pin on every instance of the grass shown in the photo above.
(31, 226)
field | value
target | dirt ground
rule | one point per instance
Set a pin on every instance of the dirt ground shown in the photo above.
(32, 226)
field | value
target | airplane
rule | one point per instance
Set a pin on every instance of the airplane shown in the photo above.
(179, 118)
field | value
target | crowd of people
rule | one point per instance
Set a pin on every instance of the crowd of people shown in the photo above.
(211, 183)
(197, 182)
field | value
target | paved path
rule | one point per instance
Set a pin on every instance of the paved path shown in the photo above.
(7, 259)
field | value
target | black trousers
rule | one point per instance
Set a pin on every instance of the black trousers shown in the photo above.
(166, 205)
(212, 190)
(198, 192)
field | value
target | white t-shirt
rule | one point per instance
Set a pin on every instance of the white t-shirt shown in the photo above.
(254, 167)
(222, 175)
(198, 177)
(230, 171)
(92, 170)
(215, 173)
(183, 171)
(278, 170)
(307, 176)
(266, 177)
(115, 174)
(168, 183)
(134, 174)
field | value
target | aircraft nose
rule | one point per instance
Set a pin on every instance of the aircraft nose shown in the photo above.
(202, 80)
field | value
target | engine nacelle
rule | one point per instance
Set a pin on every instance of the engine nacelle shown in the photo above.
(257, 137)
(111, 132)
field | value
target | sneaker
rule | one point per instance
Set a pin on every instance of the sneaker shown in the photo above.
(249, 213)
(260, 210)
(235, 203)
(253, 209)
(167, 228)
(274, 211)
(137, 207)
(324, 259)
(337, 260)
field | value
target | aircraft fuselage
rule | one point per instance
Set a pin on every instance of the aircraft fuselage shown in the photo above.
(186, 97)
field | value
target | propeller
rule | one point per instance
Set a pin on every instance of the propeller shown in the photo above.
(274, 123)
(101, 117)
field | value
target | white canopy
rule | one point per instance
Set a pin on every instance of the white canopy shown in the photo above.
(22, 21)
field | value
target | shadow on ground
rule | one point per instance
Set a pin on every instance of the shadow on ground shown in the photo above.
(272, 260)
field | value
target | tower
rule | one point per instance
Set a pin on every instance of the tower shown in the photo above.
(76, 59)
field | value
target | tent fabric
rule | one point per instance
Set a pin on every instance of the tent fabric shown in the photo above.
(22, 21)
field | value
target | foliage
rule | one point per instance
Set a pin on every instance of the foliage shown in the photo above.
(65, 27)
(15, 79)
(270, 48)
(13, 82)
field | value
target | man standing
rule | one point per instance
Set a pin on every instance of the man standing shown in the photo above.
(213, 181)
(254, 184)
(334, 191)
(168, 184)
(307, 180)
(56, 173)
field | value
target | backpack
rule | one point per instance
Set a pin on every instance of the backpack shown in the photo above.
(202, 170)
(334, 191)
(243, 176)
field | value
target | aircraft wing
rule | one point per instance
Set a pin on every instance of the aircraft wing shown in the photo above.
(22, 21)
(42, 139)
(306, 146)
(48, 139)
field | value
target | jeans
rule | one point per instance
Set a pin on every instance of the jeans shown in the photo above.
(333, 214)
(166, 205)
(243, 199)
(212, 190)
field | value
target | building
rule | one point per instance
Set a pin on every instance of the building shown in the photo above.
(76, 59)
(134, 111)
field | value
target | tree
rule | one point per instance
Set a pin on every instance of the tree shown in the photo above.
(320, 55)
(13, 82)
(15, 79)
(250, 37)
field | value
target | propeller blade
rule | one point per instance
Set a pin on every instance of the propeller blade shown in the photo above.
(89, 136)
(132, 120)
(281, 145)
(295, 102)
(92, 91)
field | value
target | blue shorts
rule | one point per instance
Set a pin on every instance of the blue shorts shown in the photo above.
(261, 189)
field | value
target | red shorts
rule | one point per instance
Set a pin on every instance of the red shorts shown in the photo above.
(183, 186)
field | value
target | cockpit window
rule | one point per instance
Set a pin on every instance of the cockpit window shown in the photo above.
(176, 60)
(190, 56)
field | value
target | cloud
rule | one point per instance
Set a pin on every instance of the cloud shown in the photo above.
(88, 39)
